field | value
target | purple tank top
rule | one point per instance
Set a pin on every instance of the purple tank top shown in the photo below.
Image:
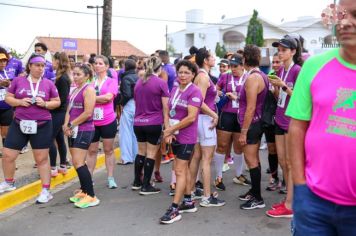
(210, 94)
(259, 103)
(77, 107)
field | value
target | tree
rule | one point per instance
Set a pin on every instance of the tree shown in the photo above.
(106, 29)
(255, 31)
(171, 49)
(220, 51)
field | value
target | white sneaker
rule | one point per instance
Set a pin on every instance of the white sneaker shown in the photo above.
(5, 187)
(226, 167)
(24, 150)
(45, 196)
(54, 172)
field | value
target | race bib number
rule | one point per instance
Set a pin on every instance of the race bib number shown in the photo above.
(282, 98)
(98, 113)
(28, 126)
(174, 122)
(75, 131)
(2, 94)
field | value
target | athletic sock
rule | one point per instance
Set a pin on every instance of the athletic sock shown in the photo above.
(139, 162)
(273, 165)
(173, 177)
(148, 170)
(46, 186)
(174, 205)
(218, 164)
(187, 198)
(86, 180)
(10, 181)
(255, 175)
(239, 160)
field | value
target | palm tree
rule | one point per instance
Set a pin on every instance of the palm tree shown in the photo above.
(106, 29)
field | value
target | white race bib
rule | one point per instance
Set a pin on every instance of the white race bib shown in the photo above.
(235, 104)
(98, 113)
(174, 122)
(28, 126)
(2, 94)
(75, 131)
(282, 98)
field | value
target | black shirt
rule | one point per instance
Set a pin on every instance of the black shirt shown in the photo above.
(63, 87)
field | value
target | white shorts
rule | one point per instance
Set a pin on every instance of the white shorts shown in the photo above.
(206, 136)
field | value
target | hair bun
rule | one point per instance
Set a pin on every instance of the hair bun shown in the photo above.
(193, 50)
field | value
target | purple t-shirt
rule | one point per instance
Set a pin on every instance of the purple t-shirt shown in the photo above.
(210, 95)
(193, 97)
(20, 87)
(77, 108)
(259, 103)
(148, 101)
(3, 105)
(171, 72)
(13, 68)
(225, 83)
(49, 73)
(281, 119)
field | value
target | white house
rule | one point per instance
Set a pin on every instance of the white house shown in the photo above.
(232, 33)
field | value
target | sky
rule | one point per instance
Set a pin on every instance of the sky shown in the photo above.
(19, 26)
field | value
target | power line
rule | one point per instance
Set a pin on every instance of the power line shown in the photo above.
(145, 18)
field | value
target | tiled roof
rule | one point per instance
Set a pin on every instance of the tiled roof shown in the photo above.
(119, 48)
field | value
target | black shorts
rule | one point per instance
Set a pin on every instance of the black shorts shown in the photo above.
(41, 140)
(279, 131)
(269, 132)
(182, 151)
(6, 116)
(82, 141)
(106, 131)
(148, 133)
(254, 133)
(228, 122)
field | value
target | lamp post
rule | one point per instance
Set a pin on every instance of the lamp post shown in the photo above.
(97, 26)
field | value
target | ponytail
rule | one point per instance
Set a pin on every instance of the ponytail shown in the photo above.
(153, 65)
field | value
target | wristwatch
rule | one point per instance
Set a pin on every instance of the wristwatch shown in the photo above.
(284, 88)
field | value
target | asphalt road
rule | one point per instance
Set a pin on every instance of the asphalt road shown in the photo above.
(124, 212)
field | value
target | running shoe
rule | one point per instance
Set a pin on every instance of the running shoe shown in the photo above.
(78, 195)
(172, 215)
(87, 201)
(136, 186)
(212, 202)
(7, 187)
(253, 203)
(24, 150)
(54, 172)
(187, 207)
(283, 189)
(274, 184)
(111, 183)
(280, 212)
(226, 167)
(171, 156)
(62, 170)
(278, 205)
(197, 194)
(149, 190)
(199, 185)
(246, 197)
(263, 146)
(172, 189)
(45, 196)
(242, 180)
(158, 178)
(219, 185)
(229, 160)
(165, 159)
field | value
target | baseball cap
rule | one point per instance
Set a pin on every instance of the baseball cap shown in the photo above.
(3, 56)
(236, 60)
(224, 62)
(286, 42)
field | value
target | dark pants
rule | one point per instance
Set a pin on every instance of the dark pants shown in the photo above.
(58, 136)
(316, 216)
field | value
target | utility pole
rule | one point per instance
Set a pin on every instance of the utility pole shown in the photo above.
(167, 38)
(97, 26)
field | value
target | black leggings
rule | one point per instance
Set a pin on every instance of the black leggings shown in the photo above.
(58, 136)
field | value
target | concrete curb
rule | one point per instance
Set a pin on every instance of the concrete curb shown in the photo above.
(29, 191)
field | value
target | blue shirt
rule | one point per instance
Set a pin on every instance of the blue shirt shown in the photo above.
(171, 72)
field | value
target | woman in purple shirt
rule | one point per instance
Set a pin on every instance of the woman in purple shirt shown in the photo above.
(151, 100)
(289, 52)
(252, 97)
(182, 132)
(207, 120)
(33, 97)
(79, 127)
